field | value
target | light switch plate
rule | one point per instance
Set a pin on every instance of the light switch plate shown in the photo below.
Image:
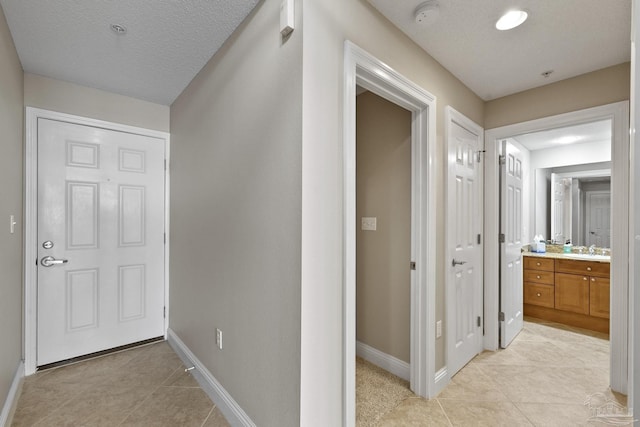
(369, 223)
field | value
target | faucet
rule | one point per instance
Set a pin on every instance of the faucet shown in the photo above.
(592, 250)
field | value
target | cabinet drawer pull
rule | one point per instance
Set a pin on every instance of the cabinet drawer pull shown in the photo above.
(588, 268)
(585, 278)
(537, 277)
(539, 294)
(593, 279)
(538, 264)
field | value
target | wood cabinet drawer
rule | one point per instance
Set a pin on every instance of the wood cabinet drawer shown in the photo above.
(538, 276)
(591, 268)
(537, 294)
(572, 293)
(599, 297)
(538, 263)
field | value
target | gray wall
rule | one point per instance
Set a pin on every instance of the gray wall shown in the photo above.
(383, 190)
(327, 24)
(235, 216)
(64, 97)
(11, 160)
(599, 87)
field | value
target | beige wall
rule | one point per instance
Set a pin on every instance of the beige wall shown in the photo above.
(235, 216)
(327, 24)
(600, 87)
(11, 160)
(383, 188)
(64, 97)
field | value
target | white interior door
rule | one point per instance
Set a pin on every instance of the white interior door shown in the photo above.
(511, 314)
(101, 226)
(598, 218)
(464, 240)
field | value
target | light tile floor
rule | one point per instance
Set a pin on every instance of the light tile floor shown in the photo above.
(143, 386)
(544, 378)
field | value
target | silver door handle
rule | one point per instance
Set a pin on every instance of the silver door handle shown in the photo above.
(48, 261)
(454, 262)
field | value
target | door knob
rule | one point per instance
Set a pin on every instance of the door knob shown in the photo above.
(454, 262)
(48, 261)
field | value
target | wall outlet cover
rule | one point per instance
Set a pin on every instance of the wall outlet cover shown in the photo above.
(369, 223)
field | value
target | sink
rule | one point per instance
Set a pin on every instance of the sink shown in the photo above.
(588, 257)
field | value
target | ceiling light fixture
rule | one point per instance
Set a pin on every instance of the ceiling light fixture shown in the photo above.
(569, 139)
(119, 29)
(427, 12)
(511, 19)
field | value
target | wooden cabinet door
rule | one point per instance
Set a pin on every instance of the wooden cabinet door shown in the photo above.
(572, 293)
(599, 297)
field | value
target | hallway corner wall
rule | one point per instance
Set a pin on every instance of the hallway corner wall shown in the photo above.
(11, 176)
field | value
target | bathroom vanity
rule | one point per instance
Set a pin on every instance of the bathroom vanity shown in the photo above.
(567, 288)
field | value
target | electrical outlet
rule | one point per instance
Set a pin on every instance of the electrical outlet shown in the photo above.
(438, 328)
(219, 338)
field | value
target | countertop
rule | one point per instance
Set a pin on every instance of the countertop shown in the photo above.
(572, 256)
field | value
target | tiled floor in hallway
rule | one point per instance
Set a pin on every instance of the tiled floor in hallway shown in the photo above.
(144, 386)
(544, 378)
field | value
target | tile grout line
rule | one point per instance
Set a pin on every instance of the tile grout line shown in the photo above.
(208, 415)
(444, 412)
(146, 398)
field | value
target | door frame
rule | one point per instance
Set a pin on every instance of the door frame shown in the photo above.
(453, 116)
(365, 70)
(618, 113)
(30, 297)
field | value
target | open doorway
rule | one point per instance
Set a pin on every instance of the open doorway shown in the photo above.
(366, 71)
(383, 255)
(615, 118)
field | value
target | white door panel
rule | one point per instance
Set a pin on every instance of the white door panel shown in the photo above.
(101, 204)
(598, 218)
(464, 228)
(511, 298)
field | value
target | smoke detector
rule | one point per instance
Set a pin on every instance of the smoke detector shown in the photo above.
(427, 12)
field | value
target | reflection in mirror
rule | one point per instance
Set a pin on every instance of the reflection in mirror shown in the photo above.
(581, 207)
(570, 183)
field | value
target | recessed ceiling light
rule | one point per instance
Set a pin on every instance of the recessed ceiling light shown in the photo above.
(511, 19)
(118, 29)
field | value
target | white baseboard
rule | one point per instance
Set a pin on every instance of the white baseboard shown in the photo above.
(385, 361)
(223, 400)
(11, 401)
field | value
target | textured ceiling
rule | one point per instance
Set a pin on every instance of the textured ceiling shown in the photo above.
(166, 45)
(578, 134)
(571, 37)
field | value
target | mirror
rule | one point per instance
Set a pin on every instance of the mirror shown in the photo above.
(579, 206)
(570, 183)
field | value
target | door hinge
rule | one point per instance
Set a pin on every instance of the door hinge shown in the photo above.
(479, 321)
(479, 155)
(412, 264)
(165, 238)
(501, 238)
(501, 316)
(479, 238)
(165, 164)
(502, 160)
(164, 312)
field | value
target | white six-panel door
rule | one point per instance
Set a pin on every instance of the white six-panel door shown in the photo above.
(598, 218)
(100, 208)
(511, 295)
(464, 240)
